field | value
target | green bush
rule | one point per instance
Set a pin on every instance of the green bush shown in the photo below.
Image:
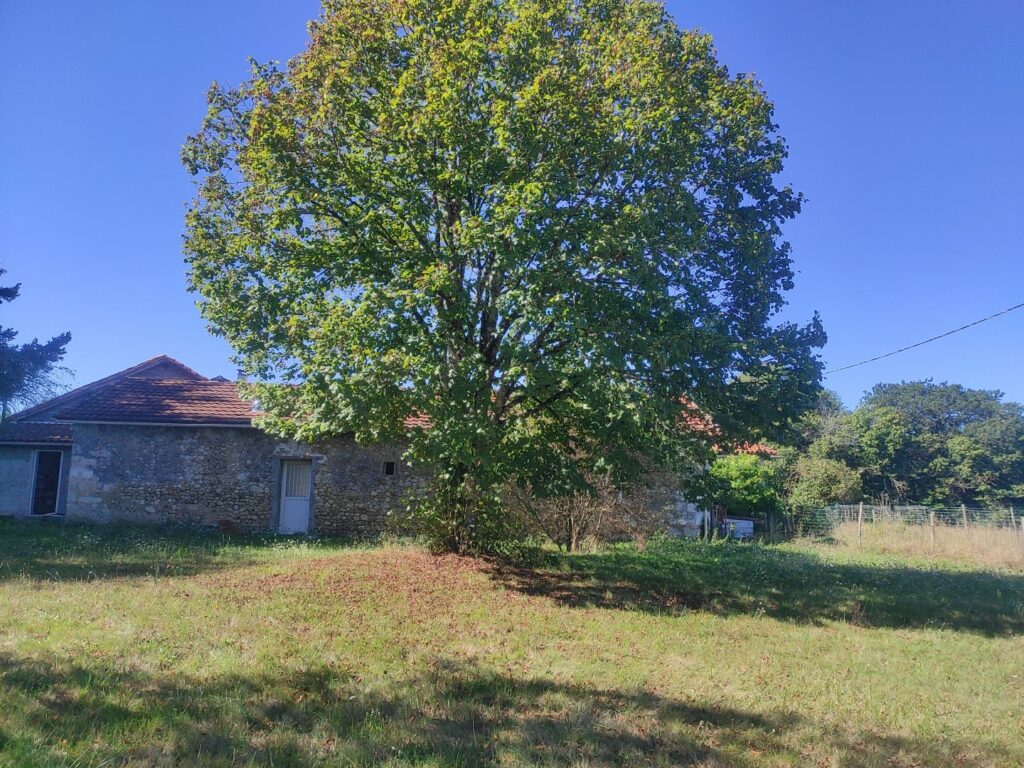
(746, 485)
(819, 482)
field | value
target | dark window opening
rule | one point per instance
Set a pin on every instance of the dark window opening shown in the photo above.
(47, 486)
(389, 468)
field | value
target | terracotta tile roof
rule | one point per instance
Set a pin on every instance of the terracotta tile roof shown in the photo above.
(418, 420)
(757, 449)
(146, 365)
(163, 401)
(32, 432)
(700, 423)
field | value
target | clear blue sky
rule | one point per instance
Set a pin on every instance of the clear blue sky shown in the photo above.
(905, 121)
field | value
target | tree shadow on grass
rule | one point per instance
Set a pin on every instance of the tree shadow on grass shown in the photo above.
(50, 550)
(730, 579)
(452, 714)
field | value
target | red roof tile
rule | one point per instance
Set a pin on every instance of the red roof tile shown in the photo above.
(700, 423)
(757, 449)
(32, 432)
(418, 420)
(163, 401)
(146, 366)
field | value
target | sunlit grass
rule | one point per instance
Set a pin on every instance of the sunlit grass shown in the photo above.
(974, 546)
(133, 646)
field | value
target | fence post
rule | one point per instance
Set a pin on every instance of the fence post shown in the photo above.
(1013, 522)
(860, 525)
(963, 513)
(932, 522)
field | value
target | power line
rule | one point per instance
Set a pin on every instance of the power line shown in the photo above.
(927, 341)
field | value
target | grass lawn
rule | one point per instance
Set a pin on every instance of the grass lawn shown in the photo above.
(128, 646)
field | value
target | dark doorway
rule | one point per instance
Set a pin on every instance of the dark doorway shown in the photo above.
(47, 487)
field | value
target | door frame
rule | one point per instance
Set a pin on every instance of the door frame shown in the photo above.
(278, 489)
(34, 477)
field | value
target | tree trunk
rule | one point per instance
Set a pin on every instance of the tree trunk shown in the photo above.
(456, 511)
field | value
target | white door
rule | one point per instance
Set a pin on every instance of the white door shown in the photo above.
(296, 488)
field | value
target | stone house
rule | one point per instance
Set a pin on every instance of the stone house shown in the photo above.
(160, 443)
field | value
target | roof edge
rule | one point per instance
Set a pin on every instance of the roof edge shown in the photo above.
(37, 443)
(122, 423)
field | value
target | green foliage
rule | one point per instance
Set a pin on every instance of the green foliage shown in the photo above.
(28, 372)
(452, 519)
(746, 484)
(941, 409)
(821, 420)
(602, 514)
(881, 444)
(819, 482)
(537, 223)
(940, 444)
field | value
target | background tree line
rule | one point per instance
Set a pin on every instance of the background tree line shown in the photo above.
(915, 442)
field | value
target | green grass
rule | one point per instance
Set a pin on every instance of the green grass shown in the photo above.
(140, 647)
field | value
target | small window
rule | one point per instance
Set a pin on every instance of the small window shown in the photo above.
(389, 468)
(297, 476)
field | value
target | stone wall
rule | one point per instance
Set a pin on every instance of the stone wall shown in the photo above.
(227, 476)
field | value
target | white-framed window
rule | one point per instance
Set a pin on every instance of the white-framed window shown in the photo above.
(297, 477)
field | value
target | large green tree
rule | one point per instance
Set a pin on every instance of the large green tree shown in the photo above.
(536, 223)
(28, 372)
(929, 443)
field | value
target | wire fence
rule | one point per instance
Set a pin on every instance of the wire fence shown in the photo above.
(987, 536)
(824, 520)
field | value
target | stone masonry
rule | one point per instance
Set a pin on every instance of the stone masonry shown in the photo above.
(228, 477)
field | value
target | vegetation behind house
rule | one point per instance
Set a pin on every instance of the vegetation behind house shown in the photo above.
(913, 443)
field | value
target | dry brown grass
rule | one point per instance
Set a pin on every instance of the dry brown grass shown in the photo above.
(989, 547)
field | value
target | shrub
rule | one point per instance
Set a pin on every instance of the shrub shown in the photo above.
(818, 482)
(605, 512)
